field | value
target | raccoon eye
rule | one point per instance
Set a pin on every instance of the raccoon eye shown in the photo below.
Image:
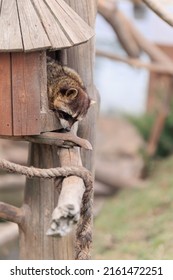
(64, 115)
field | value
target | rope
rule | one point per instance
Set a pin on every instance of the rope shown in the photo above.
(84, 232)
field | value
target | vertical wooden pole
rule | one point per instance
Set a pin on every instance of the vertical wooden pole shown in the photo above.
(159, 101)
(81, 58)
(40, 195)
(40, 199)
(155, 83)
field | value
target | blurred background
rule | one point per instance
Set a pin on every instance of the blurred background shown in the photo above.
(133, 194)
(133, 189)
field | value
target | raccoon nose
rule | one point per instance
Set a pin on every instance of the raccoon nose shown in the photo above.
(68, 128)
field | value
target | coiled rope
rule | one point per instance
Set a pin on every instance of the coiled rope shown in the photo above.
(84, 230)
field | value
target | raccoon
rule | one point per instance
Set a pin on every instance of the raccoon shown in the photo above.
(67, 94)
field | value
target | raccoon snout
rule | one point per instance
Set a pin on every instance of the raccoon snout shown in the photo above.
(68, 129)
(65, 124)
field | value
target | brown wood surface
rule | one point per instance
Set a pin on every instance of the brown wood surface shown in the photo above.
(36, 24)
(5, 95)
(11, 213)
(167, 49)
(65, 140)
(53, 28)
(82, 58)
(151, 66)
(110, 12)
(155, 82)
(10, 35)
(164, 101)
(26, 93)
(34, 36)
(159, 101)
(41, 196)
(67, 212)
(49, 121)
(73, 25)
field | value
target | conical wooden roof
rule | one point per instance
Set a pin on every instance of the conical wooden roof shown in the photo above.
(28, 25)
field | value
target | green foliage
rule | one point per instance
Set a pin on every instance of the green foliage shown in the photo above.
(165, 146)
(145, 124)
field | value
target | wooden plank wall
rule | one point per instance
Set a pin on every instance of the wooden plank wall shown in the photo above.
(26, 93)
(20, 91)
(5, 95)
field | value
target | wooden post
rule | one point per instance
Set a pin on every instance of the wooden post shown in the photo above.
(40, 195)
(81, 58)
(156, 81)
(40, 200)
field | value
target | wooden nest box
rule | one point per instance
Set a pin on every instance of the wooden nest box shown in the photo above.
(27, 29)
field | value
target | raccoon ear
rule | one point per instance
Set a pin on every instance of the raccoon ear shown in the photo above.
(92, 102)
(71, 93)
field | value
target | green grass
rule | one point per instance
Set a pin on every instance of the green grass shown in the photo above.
(138, 223)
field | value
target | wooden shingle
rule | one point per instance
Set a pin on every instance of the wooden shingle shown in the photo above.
(31, 25)
(10, 34)
(33, 33)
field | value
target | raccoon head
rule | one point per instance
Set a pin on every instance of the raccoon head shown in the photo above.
(70, 105)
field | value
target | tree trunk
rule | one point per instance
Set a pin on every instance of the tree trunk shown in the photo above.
(41, 196)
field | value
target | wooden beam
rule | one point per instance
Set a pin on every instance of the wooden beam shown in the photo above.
(153, 67)
(163, 112)
(67, 212)
(160, 10)
(110, 12)
(11, 213)
(67, 139)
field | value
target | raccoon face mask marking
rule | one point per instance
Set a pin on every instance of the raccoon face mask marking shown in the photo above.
(67, 95)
